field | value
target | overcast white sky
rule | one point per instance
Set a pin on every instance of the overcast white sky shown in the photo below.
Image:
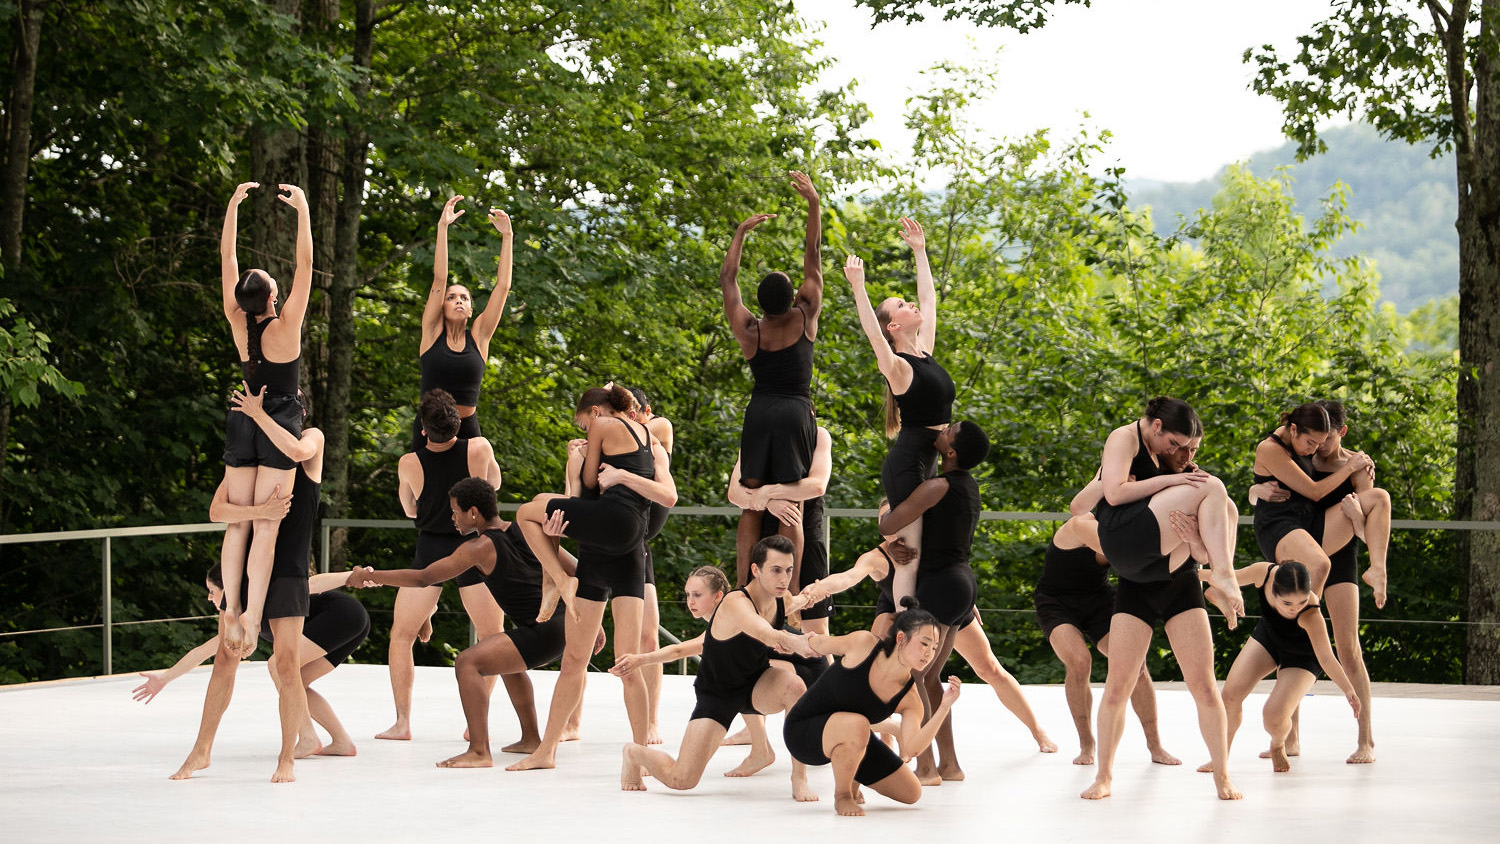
(1164, 76)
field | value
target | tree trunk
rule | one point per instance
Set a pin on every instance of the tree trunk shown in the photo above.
(18, 107)
(276, 158)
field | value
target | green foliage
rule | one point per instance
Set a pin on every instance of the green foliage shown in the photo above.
(24, 364)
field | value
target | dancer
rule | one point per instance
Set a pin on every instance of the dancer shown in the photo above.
(777, 438)
(736, 674)
(336, 626)
(661, 428)
(270, 349)
(1290, 639)
(919, 392)
(629, 468)
(789, 503)
(1138, 539)
(452, 355)
(286, 596)
(948, 507)
(833, 721)
(513, 577)
(425, 477)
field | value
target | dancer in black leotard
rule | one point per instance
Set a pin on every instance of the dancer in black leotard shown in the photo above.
(270, 348)
(873, 680)
(660, 428)
(736, 675)
(498, 553)
(800, 503)
(624, 468)
(425, 477)
(919, 392)
(452, 355)
(777, 437)
(1291, 639)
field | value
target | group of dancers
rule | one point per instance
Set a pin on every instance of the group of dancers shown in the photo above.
(866, 702)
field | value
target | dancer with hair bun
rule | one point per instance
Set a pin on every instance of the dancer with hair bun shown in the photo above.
(660, 428)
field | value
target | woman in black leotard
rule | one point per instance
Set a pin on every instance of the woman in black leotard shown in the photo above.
(660, 428)
(874, 680)
(270, 348)
(1291, 639)
(736, 675)
(779, 432)
(453, 355)
(919, 392)
(623, 469)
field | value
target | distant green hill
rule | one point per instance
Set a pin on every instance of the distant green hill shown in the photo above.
(1405, 200)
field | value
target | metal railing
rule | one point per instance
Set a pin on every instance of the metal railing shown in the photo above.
(107, 535)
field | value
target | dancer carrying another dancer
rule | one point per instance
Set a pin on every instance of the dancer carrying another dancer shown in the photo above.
(623, 468)
(777, 436)
(270, 351)
(453, 355)
(1156, 579)
(661, 428)
(919, 392)
(425, 477)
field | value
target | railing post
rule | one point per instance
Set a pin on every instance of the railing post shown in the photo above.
(323, 560)
(108, 613)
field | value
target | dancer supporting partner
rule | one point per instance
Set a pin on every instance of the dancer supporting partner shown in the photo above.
(270, 351)
(661, 428)
(425, 476)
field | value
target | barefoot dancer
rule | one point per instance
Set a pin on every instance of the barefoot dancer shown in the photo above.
(948, 508)
(452, 355)
(1291, 639)
(919, 392)
(513, 577)
(737, 674)
(1137, 537)
(661, 428)
(628, 468)
(874, 679)
(425, 476)
(270, 349)
(798, 502)
(777, 438)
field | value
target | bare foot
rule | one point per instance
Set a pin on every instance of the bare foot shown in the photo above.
(758, 760)
(568, 592)
(741, 737)
(570, 734)
(337, 748)
(1375, 579)
(1045, 744)
(1224, 600)
(233, 634)
(283, 771)
(1279, 763)
(1292, 749)
(538, 760)
(630, 772)
(470, 758)
(953, 773)
(307, 745)
(1085, 756)
(653, 734)
(800, 790)
(1208, 767)
(399, 731)
(1364, 755)
(250, 627)
(1160, 756)
(1349, 504)
(928, 777)
(859, 794)
(549, 601)
(845, 805)
(1227, 791)
(1098, 790)
(523, 745)
(193, 764)
(424, 633)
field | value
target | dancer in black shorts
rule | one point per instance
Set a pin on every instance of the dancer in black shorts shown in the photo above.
(498, 553)
(425, 477)
(452, 355)
(919, 392)
(798, 502)
(269, 349)
(623, 468)
(874, 679)
(948, 507)
(777, 436)
(660, 428)
(736, 675)
(1290, 639)
(1156, 580)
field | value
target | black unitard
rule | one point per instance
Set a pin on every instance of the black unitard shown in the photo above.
(730, 669)
(1074, 589)
(1284, 638)
(436, 536)
(610, 527)
(245, 444)
(845, 689)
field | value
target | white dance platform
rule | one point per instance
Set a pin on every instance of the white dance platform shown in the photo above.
(81, 761)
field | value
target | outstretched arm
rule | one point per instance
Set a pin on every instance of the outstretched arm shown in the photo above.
(469, 555)
(895, 370)
(326, 582)
(432, 312)
(871, 564)
(148, 690)
(1312, 621)
(927, 302)
(671, 653)
(229, 265)
(488, 320)
(810, 294)
(741, 321)
(295, 309)
(858, 641)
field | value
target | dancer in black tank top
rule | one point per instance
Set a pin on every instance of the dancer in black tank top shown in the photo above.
(451, 354)
(661, 429)
(425, 477)
(777, 437)
(268, 348)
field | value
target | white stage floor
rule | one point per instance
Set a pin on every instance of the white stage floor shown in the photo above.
(81, 761)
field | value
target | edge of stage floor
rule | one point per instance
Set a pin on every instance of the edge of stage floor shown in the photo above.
(79, 761)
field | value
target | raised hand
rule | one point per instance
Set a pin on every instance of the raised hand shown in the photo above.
(950, 694)
(804, 186)
(911, 232)
(293, 197)
(752, 222)
(501, 221)
(854, 270)
(148, 690)
(241, 191)
(449, 212)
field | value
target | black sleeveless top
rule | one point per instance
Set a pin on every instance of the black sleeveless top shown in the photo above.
(440, 471)
(948, 526)
(639, 462)
(1332, 498)
(516, 581)
(1287, 630)
(1141, 468)
(843, 689)
(1072, 571)
(294, 537)
(1297, 506)
(885, 584)
(277, 378)
(731, 666)
(785, 373)
(929, 399)
(457, 372)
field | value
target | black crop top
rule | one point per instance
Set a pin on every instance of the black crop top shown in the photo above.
(785, 372)
(457, 372)
(929, 399)
(277, 378)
